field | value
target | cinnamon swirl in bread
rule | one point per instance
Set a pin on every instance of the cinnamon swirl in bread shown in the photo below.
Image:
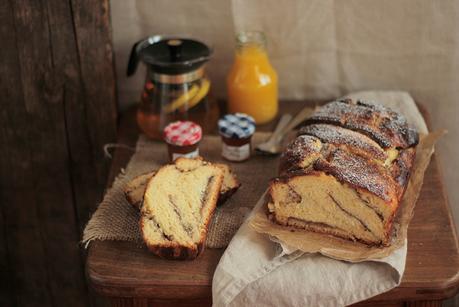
(346, 172)
(178, 205)
(135, 189)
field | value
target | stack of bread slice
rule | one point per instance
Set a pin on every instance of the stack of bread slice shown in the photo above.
(346, 172)
(177, 203)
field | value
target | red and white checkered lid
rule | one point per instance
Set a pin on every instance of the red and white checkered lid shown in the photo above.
(182, 133)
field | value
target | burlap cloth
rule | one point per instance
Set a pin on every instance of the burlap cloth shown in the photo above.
(116, 219)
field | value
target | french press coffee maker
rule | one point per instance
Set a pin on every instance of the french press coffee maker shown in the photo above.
(176, 86)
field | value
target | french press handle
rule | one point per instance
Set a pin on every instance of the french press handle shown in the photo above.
(133, 59)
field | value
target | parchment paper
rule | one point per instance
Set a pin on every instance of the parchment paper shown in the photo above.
(333, 247)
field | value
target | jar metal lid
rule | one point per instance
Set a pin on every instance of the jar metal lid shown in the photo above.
(169, 55)
(237, 125)
(182, 133)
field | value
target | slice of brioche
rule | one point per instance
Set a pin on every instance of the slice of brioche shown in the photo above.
(230, 183)
(135, 189)
(178, 205)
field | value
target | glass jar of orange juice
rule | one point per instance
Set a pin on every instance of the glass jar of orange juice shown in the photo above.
(252, 81)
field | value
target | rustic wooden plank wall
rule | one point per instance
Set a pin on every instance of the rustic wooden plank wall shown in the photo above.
(58, 108)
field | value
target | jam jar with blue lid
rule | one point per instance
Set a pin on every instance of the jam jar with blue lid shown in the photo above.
(236, 131)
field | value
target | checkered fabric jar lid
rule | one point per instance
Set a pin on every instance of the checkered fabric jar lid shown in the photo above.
(237, 125)
(182, 133)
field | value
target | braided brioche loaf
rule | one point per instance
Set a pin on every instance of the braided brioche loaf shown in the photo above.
(346, 172)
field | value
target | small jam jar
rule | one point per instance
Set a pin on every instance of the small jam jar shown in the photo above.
(236, 131)
(182, 138)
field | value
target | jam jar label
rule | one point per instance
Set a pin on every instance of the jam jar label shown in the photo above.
(192, 154)
(236, 153)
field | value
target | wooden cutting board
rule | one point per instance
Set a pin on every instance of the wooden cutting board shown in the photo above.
(128, 274)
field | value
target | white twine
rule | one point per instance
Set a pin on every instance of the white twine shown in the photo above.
(109, 146)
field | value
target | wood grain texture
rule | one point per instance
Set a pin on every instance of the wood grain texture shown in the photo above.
(7, 297)
(143, 302)
(99, 115)
(9, 91)
(52, 171)
(126, 269)
(424, 304)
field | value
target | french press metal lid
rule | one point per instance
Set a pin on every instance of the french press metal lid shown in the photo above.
(170, 59)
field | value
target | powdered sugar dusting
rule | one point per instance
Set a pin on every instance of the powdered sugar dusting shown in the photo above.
(341, 136)
(301, 148)
(386, 127)
(304, 145)
(353, 138)
(360, 172)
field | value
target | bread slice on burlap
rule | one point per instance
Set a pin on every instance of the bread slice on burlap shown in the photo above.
(178, 205)
(135, 189)
(230, 183)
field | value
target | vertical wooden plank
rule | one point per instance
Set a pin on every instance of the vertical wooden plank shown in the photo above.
(6, 290)
(28, 267)
(52, 191)
(51, 138)
(7, 295)
(89, 97)
(94, 42)
(28, 276)
(81, 37)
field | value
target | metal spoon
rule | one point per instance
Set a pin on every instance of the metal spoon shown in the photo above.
(270, 147)
(274, 145)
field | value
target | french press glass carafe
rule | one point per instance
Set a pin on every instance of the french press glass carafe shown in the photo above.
(176, 86)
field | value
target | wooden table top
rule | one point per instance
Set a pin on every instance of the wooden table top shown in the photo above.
(126, 269)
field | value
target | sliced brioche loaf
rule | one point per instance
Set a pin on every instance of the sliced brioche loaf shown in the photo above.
(230, 183)
(178, 205)
(346, 172)
(135, 189)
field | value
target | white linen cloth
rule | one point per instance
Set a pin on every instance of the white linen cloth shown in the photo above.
(255, 271)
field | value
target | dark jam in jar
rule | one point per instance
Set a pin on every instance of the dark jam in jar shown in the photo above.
(182, 138)
(236, 131)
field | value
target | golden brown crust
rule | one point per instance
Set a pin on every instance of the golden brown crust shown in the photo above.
(300, 154)
(339, 136)
(364, 146)
(227, 190)
(172, 250)
(226, 194)
(386, 127)
(355, 170)
(135, 189)
(358, 172)
(401, 169)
